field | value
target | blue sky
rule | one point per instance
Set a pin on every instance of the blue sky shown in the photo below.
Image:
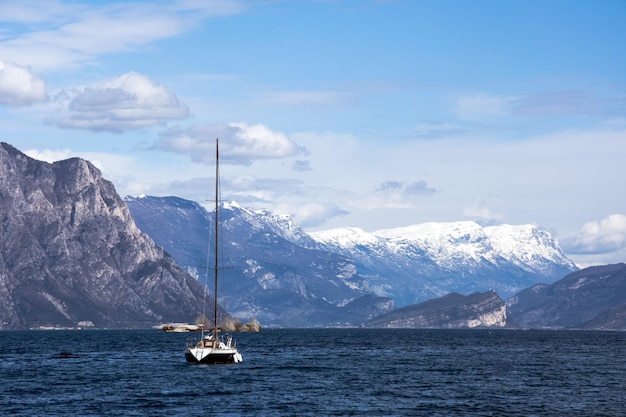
(375, 114)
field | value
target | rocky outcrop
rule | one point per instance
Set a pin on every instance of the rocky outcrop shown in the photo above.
(594, 297)
(70, 252)
(450, 311)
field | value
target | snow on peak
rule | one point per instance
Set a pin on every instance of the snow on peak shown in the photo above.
(446, 243)
(453, 242)
(344, 236)
(282, 224)
(526, 243)
(434, 231)
(233, 204)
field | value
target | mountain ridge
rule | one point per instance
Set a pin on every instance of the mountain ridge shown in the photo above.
(522, 254)
(269, 278)
(593, 297)
(71, 252)
(74, 252)
(271, 248)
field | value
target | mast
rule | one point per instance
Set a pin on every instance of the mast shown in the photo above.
(217, 173)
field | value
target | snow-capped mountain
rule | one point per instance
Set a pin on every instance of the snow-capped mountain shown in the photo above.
(285, 276)
(282, 225)
(418, 262)
(268, 276)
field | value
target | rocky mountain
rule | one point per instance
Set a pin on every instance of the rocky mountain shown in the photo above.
(70, 252)
(424, 261)
(268, 276)
(594, 297)
(281, 275)
(450, 311)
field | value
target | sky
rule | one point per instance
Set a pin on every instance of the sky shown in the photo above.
(364, 113)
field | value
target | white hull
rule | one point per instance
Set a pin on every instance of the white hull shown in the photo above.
(210, 351)
(212, 356)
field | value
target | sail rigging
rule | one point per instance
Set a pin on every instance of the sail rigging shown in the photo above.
(211, 348)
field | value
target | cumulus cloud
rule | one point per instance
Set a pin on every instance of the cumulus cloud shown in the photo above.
(19, 86)
(131, 101)
(600, 236)
(240, 143)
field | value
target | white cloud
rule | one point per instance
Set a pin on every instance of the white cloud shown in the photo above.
(50, 155)
(19, 86)
(599, 236)
(396, 194)
(315, 213)
(261, 192)
(112, 165)
(304, 202)
(481, 211)
(37, 11)
(127, 172)
(75, 34)
(407, 182)
(240, 143)
(576, 102)
(131, 101)
(481, 106)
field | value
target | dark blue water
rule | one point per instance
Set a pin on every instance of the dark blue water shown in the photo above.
(317, 373)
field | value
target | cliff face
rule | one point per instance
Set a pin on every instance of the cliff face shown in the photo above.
(451, 311)
(70, 252)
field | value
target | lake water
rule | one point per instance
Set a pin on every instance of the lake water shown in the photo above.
(316, 372)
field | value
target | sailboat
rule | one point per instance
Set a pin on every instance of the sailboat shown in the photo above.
(211, 348)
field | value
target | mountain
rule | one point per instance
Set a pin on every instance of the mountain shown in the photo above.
(423, 261)
(269, 277)
(594, 297)
(71, 252)
(612, 319)
(450, 311)
(286, 277)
